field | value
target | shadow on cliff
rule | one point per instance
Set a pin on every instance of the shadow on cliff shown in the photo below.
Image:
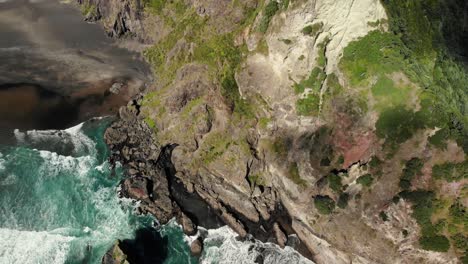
(147, 247)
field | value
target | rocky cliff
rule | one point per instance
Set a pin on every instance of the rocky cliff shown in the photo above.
(336, 121)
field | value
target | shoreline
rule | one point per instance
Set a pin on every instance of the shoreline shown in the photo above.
(151, 178)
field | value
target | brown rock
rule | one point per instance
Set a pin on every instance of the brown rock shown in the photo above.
(136, 188)
(196, 247)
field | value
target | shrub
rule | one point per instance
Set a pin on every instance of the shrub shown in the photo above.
(437, 243)
(365, 180)
(270, 10)
(397, 124)
(412, 168)
(324, 204)
(450, 171)
(312, 30)
(343, 200)
(383, 216)
(334, 182)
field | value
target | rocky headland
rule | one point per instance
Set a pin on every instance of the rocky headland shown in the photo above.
(303, 123)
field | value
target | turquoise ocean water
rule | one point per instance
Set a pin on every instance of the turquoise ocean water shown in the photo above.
(59, 204)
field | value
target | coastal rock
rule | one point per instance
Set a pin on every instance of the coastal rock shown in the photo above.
(281, 238)
(187, 225)
(136, 187)
(115, 255)
(196, 247)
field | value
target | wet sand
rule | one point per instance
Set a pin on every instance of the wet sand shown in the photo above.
(56, 69)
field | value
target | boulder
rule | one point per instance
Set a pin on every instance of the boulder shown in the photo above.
(196, 247)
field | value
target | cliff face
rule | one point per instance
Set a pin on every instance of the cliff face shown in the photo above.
(298, 117)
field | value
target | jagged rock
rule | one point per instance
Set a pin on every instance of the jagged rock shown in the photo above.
(281, 238)
(115, 255)
(187, 225)
(136, 187)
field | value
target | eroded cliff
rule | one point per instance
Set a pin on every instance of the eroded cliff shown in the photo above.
(324, 119)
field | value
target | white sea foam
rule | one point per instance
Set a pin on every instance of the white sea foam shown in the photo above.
(18, 247)
(55, 164)
(222, 247)
(9, 180)
(62, 140)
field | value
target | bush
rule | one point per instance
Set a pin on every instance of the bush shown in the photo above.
(397, 124)
(343, 200)
(270, 10)
(412, 168)
(312, 30)
(334, 182)
(365, 180)
(435, 243)
(450, 171)
(324, 204)
(383, 216)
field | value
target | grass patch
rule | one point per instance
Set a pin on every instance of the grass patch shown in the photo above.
(387, 94)
(377, 53)
(314, 81)
(324, 204)
(214, 147)
(308, 106)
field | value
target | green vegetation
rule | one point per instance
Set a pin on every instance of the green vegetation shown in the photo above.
(383, 216)
(334, 182)
(375, 54)
(412, 168)
(88, 9)
(308, 106)
(287, 41)
(343, 200)
(387, 94)
(397, 124)
(439, 139)
(215, 146)
(270, 10)
(365, 180)
(423, 208)
(431, 31)
(256, 180)
(435, 243)
(451, 171)
(294, 175)
(314, 81)
(458, 214)
(312, 30)
(324, 204)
